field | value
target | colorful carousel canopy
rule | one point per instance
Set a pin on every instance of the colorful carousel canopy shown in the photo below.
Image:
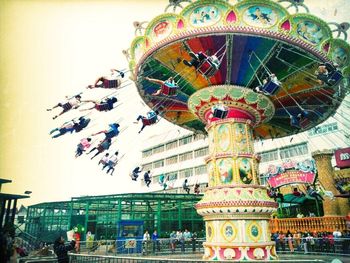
(252, 39)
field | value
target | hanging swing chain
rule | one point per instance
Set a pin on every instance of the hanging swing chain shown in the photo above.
(290, 115)
(261, 63)
(301, 54)
(254, 71)
(286, 91)
(220, 57)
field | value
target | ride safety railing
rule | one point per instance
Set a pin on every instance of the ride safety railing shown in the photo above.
(314, 245)
(138, 246)
(308, 224)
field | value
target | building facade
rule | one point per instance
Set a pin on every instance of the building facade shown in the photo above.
(176, 155)
(180, 154)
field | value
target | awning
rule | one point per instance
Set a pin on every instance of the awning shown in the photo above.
(290, 198)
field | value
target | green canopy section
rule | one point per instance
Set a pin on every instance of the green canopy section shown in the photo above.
(292, 199)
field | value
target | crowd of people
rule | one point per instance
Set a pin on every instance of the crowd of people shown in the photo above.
(11, 248)
(178, 238)
(112, 82)
(333, 242)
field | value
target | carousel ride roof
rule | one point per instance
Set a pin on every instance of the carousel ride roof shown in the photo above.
(252, 39)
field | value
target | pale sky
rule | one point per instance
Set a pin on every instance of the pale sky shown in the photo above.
(49, 49)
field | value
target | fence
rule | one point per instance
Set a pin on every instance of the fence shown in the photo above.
(340, 246)
(161, 252)
(308, 224)
(76, 258)
(138, 246)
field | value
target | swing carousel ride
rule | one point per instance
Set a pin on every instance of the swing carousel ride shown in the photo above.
(243, 71)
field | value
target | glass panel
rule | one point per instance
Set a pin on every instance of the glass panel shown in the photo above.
(185, 140)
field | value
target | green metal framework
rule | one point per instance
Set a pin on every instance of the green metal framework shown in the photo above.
(100, 214)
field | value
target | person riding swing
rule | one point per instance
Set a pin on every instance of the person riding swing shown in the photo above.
(328, 73)
(219, 110)
(269, 86)
(151, 118)
(108, 82)
(104, 105)
(71, 103)
(168, 87)
(206, 65)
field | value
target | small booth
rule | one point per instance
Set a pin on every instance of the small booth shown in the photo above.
(129, 236)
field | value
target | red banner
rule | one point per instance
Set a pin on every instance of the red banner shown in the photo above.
(342, 157)
(292, 177)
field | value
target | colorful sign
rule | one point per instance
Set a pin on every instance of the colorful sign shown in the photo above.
(70, 235)
(130, 243)
(292, 177)
(342, 157)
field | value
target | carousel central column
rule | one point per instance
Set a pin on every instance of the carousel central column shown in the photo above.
(236, 209)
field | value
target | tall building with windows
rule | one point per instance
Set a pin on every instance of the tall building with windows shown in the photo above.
(180, 154)
(329, 135)
(175, 156)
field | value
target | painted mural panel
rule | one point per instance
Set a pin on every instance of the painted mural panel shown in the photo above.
(212, 174)
(310, 31)
(161, 30)
(211, 141)
(205, 16)
(223, 132)
(260, 16)
(241, 138)
(339, 52)
(245, 170)
(138, 48)
(225, 170)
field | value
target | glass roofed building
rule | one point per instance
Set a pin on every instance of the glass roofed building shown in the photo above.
(101, 215)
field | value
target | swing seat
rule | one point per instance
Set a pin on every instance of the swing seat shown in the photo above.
(207, 67)
(270, 87)
(304, 114)
(103, 107)
(294, 121)
(150, 121)
(111, 83)
(66, 106)
(221, 114)
(335, 77)
(169, 89)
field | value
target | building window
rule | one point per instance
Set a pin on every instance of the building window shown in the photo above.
(185, 156)
(171, 145)
(263, 179)
(323, 129)
(146, 153)
(171, 160)
(200, 169)
(186, 173)
(294, 150)
(171, 176)
(201, 152)
(158, 149)
(198, 136)
(158, 164)
(185, 140)
(147, 167)
(269, 156)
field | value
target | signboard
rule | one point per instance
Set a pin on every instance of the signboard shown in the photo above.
(292, 177)
(342, 157)
(70, 235)
(130, 243)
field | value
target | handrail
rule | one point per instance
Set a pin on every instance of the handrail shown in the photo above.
(308, 224)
